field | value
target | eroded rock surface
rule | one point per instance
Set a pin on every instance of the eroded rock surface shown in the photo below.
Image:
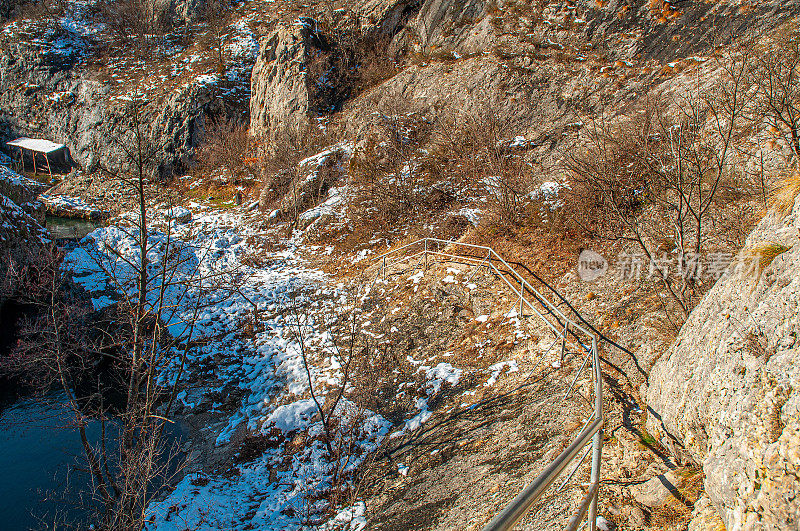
(727, 394)
(50, 93)
(280, 93)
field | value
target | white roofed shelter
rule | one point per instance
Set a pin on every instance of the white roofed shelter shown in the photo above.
(35, 145)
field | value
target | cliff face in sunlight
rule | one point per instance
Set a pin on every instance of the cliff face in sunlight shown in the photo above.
(727, 394)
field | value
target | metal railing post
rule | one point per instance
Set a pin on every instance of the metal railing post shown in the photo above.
(564, 342)
(575, 522)
(384, 268)
(426, 254)
(597, 442)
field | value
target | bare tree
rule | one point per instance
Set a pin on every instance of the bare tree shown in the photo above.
(774, 73)
(215, 13)
(339, 406)
(304, 325)
(656, 177)
(156, 280)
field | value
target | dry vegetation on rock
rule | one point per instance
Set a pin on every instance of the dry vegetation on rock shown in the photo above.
(654, 131)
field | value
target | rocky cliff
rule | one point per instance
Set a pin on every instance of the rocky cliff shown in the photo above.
(281, 92)
(56, 84)
(727, 394)
(537, 66)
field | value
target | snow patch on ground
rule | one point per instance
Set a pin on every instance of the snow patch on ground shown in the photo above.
(497, 368)
(474, 215)
(268, 367)
(72, 206)
(549, 192)
(436, 376)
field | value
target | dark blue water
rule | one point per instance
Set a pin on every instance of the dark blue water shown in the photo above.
(41, 457)
(39, 453)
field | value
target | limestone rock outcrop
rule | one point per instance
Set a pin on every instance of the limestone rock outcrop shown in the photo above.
(49, 95)
(280, 91)
(459, 26)
(727, 393)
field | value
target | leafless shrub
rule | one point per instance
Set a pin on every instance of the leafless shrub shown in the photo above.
(277, 163)
(374, 64)
(659, 178)
(139, 25)
(346, 61)
(227, 151)
(470, 156)
(385, 171)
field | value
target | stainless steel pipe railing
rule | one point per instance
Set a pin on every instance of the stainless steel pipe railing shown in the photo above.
(511, 515)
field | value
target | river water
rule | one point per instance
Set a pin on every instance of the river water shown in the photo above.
(39, 453)
(42, 462)
(68, 228)
(40, 450)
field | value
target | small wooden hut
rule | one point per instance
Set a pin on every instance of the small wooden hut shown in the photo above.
(35, 146)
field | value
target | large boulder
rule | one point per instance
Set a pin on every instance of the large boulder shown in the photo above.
(280, 92)
(727, 393)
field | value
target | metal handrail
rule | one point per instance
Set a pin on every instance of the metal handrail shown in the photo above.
(521, 504)
(499, 258)
(516, 509)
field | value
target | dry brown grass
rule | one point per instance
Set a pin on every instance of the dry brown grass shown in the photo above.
(548, 254)
(677, 512)
(783, 199)
(763, 253)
